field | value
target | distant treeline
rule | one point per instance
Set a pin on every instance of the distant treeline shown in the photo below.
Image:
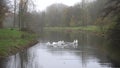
(60, 15)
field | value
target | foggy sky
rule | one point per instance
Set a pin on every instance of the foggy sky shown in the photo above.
(42, 4)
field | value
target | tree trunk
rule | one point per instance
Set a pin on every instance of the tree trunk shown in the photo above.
(1, 24)
(14, 13)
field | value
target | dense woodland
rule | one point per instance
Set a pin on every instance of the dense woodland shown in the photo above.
(103, 13)
(86, 13)
(100, 13)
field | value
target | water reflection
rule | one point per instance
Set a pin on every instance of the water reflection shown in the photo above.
(91, 52)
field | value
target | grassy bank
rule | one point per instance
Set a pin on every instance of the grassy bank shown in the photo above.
(13, 40)
(97, 30)
(85, 28)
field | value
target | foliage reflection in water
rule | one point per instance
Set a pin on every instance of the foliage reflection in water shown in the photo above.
(90, 53)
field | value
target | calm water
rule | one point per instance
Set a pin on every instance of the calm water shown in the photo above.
(89, 53)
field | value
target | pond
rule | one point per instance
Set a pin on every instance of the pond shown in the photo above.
(63, 50)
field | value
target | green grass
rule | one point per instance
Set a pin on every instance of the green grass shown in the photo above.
(11, 40)
(86, 28)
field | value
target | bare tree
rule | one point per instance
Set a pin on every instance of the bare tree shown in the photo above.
(23, 7)
(3, 10)
(85, 13)
(15, 7)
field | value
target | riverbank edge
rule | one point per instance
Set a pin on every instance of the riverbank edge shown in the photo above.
(91, 29)
(20, 49)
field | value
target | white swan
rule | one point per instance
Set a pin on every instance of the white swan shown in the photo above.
(48, 43)
(75, 42)
(62, 44)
